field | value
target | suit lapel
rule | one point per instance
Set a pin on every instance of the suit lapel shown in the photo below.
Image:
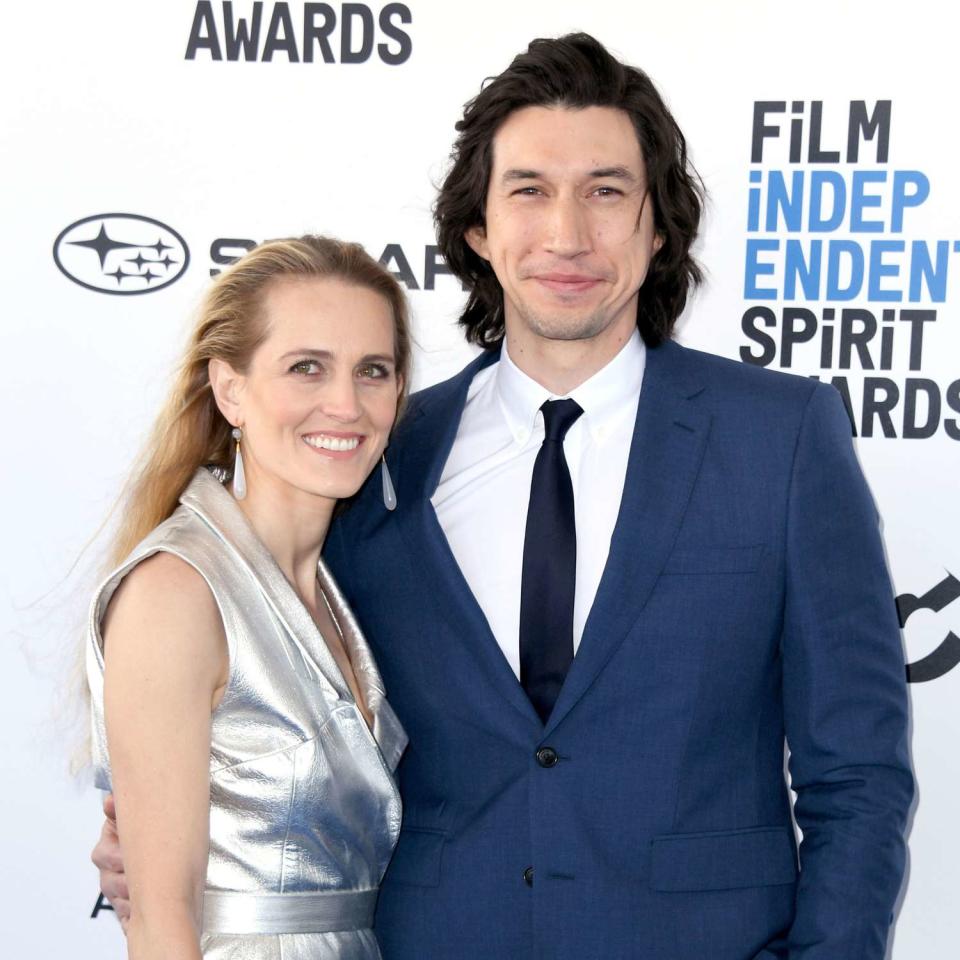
(665, 455)
(207, 497)
(387, 731)
(425, 448)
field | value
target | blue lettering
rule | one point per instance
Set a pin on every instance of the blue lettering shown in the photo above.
(879, 270)
(797, 267)
(753, 202)
(902, 199)
(755, 269)
(859, 199)
(852, 252)
(790, 202)
(923, 271)
(819, 223)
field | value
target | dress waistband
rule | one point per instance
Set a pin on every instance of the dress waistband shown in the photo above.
(322, 912)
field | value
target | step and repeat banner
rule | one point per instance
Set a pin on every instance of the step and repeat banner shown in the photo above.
(145, 145)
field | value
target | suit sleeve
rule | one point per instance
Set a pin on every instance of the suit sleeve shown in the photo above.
(845, 702)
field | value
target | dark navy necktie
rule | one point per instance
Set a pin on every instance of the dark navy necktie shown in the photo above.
(549, 578)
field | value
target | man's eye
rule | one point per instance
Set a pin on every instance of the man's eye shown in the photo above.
(305, 367)
(527, 192)
(608, 192)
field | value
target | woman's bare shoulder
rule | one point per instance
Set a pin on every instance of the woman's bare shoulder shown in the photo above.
(164, 592)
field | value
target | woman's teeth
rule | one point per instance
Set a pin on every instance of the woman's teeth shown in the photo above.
(333, 443)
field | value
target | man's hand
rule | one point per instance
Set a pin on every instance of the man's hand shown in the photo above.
(108, 859)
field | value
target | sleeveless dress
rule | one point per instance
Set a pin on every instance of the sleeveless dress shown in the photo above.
(304, 808)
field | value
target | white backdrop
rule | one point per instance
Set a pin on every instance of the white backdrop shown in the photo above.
(103, 112)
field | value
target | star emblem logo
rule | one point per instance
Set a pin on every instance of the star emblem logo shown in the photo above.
(121, 253)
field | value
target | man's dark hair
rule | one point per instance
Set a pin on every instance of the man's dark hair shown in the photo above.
(574, 71)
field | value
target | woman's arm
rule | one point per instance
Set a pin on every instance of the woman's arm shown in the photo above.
(166, 665)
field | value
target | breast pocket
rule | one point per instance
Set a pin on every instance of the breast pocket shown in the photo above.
(724, 860)
(692, 561)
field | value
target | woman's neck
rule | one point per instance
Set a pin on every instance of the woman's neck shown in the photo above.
(292, 525)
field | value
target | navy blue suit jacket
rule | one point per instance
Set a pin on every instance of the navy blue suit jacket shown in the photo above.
(745, 602)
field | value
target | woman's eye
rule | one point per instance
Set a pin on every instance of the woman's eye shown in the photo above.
(373, 371)
(306, 367)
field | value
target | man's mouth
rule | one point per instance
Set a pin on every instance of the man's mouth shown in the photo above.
(567, 282)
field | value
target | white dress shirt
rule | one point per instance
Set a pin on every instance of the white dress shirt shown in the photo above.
(484, 490)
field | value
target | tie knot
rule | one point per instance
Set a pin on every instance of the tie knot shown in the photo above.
(558, 417)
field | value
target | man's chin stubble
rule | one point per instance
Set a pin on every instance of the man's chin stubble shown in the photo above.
(567, 328)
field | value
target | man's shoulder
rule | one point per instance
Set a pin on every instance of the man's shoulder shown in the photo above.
(753, 406)
(724, 379)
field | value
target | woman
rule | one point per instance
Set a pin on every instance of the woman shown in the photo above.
(238, 715)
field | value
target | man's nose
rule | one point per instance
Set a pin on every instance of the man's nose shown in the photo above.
(568, 228)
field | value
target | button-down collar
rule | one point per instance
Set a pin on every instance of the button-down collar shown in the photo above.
(605, 398)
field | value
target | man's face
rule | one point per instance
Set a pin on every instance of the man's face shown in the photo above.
(569, 224)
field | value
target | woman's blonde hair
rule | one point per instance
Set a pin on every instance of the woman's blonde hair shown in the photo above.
(190, 430)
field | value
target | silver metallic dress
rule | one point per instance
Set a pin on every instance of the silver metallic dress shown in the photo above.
(304, 810)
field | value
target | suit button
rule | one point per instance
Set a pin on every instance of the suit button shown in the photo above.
(528, 876)
(547, 757)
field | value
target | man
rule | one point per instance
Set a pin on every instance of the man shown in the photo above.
(620, 575)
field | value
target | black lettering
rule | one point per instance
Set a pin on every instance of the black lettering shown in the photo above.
(814, 153)
(876, 125)
(433, 266)
(937, 598)
(911, 429)
(280, 35)
(347, 13)
(314, 34)
(952, 427)
(936, 663)
(401, 12)
(749, 326)
(761, 130)
(842, 387)
(203, 16)
(946, 656)
(796, 131)
(916, 319)
(403, 273)
(826, 340)
(101, 904)
(791, 334)
(850, 338)
(226, 250)
(877, 406)
(245, 36)
(886, 340)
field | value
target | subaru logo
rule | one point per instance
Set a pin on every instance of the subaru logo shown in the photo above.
(121, 253)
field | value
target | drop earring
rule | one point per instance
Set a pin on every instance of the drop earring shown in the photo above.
(389, 494)
(239, 477)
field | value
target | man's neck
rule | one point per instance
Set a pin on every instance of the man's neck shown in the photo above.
(562, 365)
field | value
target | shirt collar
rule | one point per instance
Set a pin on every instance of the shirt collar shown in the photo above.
(610, 393)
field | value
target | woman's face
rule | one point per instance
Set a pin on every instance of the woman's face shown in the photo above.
(320, 395)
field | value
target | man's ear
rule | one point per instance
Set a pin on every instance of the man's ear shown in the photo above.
(476, 238)
(227, 386)
(657, 242)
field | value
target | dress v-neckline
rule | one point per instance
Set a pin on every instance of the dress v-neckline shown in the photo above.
(207, 497)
